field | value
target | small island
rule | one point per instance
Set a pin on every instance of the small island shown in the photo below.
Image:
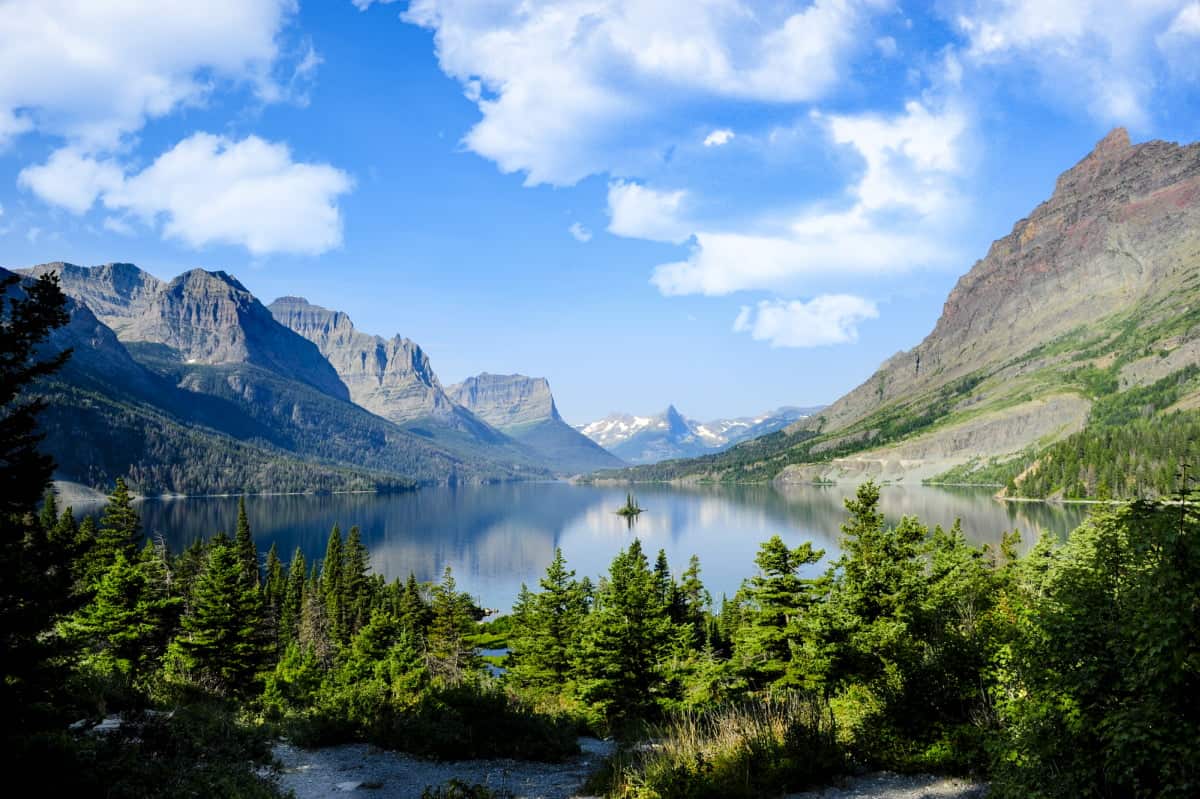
(630, 509)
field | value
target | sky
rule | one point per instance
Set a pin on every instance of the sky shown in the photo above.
(728, 205)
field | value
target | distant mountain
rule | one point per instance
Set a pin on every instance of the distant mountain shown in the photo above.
(669, 435)
(198, 369)
(391, 378)
(1066, 362)
(523, 407)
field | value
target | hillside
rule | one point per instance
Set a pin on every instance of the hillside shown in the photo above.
(1088, 303)
(198, 389)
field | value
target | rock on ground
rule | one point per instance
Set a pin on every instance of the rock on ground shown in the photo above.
(885, 785)
(361, 768)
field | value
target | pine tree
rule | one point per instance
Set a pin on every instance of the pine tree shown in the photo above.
(546, 628)
(35, 573)
(331, 581)
(120, 533)
(695, 602)
(627, 641)
(219, 646)
(415, 615)
(356, 565)
(293, 598)
(247, 553)
(775, 600)
(450, 656)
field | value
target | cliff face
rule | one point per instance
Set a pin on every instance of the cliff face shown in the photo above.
(201, 317)
(1120, 232)
(523, 407)
(391, 378)
(506, 401)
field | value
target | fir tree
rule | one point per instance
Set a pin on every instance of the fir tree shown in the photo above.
(774, 602)
(247, 553)
(452, 620)
(331, 581)
(120, 533)
(293, 598)
(695, 602)
(356, 563)
(219, 646)
(627, 640)
(547, 627)
(415, 615)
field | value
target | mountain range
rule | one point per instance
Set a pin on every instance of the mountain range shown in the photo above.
(1079, 326)
(668, 435)
(194, 386)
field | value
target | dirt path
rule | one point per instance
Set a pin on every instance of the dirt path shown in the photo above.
(885, 785)
(372, 772)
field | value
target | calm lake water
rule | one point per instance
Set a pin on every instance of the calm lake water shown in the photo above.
(496, 537)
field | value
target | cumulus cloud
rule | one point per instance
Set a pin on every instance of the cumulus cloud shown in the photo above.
(1102, 53)
(208, 190)
(637, 211)
(905, 192)
(580, 232)
(559, 84)
(719, 137)
(93, 72)
(828, 319)
(71, 179)
(363, 5)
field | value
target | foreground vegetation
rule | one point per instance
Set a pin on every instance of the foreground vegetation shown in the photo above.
(1069, 672)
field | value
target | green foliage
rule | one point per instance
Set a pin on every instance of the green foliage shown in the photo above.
(1101, 677)
(457, 789)
(626, 642)
(547, 629)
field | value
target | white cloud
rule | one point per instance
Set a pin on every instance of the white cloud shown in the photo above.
(580, 232)
(117, 225)
(639, 212)
(828, 319)
(719, 137)
(94, 72)
(1098, 53)
(887, 47)
(561, 84)
(898, 206)
(208, 190)
(71, 179)
(363, 5)
(1180, 42)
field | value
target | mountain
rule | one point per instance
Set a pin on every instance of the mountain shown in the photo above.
(668, 435)
(220, 396)
(391, 378)
(523, 408)
(201, 317)
(1087, 312)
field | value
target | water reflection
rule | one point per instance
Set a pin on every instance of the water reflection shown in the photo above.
(496, 537)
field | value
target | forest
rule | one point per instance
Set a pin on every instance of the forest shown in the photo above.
(1069, 671)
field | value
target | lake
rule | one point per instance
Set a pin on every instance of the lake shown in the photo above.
(497, 536)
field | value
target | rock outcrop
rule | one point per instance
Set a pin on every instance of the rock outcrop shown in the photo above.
(523, 408)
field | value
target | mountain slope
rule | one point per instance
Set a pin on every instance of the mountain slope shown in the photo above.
(650, 439)
(223, 363)
(1095, 293)
(523, 407)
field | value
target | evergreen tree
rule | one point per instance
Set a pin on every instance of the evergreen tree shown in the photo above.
(627, 641)
(293, 598)
(356, 563)
(695, 602)
(247, 553)
(775, 600)
(332, 569)
(119, 533)
(35, 572)
(546, 628)
(414, 614)
(219, 646)
(450, 656)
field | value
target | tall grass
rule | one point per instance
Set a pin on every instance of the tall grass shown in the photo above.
(760, 747)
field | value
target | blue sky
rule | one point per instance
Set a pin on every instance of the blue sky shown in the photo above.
(724, 204)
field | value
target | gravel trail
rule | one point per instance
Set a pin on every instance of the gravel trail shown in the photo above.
(885, 785)
(372, 772)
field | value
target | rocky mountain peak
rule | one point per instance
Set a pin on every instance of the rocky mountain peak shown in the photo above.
(506, 401)
(392, 378)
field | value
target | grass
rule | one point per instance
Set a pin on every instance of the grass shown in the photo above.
(763, 747)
